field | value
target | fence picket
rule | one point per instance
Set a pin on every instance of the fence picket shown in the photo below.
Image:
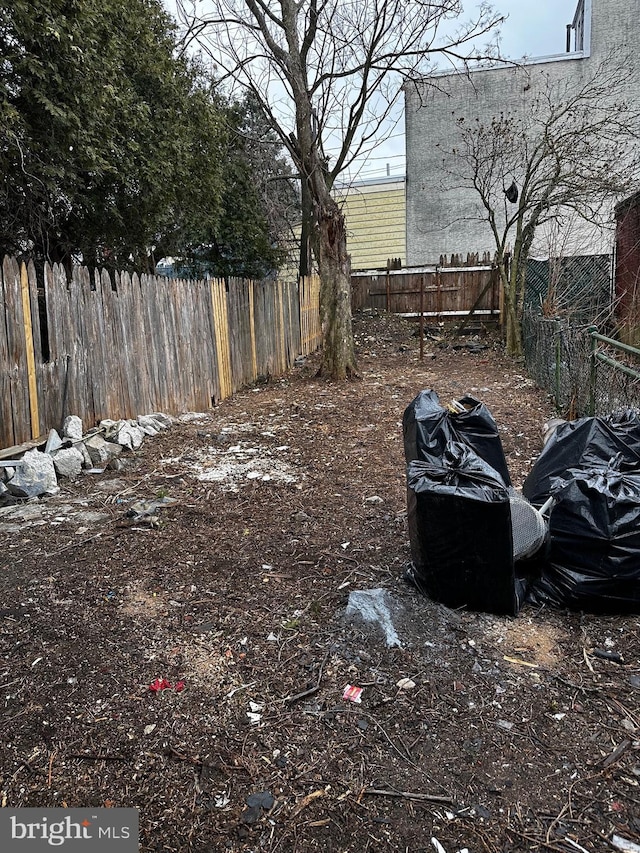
(17, 365)
(6, 413)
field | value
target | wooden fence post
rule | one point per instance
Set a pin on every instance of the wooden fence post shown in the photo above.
(31, 361)
(221, 324)
(252, 330)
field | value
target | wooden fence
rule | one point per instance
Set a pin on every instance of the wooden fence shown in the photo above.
(444, 291)
(101, 348)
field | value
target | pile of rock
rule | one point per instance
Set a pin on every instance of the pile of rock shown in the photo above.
(36, 472)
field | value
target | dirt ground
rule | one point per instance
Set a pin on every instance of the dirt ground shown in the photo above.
(506, 735)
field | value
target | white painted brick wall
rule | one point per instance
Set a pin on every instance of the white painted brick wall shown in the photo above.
(443, 218)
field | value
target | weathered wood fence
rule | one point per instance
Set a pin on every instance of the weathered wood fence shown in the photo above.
(448, 290)
(102, 347)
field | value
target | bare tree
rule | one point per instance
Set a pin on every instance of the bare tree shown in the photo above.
(571, 150)
(327, 74)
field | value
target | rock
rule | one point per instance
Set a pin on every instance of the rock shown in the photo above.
(148, 429)
(35, 476)
(72, 428)
(150, 424)
(263, 800)
(54, 442)
(162, 419)
(101, 451)
(68, 462)
(119, 464)
(86, 457)
(130, 435)
(91, 518)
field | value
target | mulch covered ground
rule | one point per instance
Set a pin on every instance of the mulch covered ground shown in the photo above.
(229, 579)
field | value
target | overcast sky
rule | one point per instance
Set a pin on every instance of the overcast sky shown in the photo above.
(535, 27)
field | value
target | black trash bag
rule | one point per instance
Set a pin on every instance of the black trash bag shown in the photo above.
(428, 427)
(594, 552)
(581, 444)
(462, 545)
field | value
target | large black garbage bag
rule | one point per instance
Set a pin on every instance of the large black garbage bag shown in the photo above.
(582, 444)
(461, 532)
(428, 427)
(594, 551)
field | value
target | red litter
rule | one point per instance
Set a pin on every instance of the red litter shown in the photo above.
(163, 684)
(352, 693)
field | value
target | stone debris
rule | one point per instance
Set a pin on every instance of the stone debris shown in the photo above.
(230, 462)
(54, 442)
(34, 476)
(101, 451)
(130, 435)
(68, 462)
(72, 428)
(66, 455)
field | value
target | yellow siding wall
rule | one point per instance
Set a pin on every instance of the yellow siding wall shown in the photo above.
(376, 224)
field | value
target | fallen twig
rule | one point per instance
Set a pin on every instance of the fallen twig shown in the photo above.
(51, 760)
(537, 841)
(72, 544)
(289, 700)
(620, 749)
(603, 654)
(304, 802)
(407, 795)
(520, 662)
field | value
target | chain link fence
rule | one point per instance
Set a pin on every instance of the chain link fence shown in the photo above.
(566, 301)
(577, 288)
(557, 356)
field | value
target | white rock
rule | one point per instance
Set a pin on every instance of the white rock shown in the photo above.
(110, 428)
(35, 476)
(101, 451)
(164, 420)
(68, 462)
(86, 457)
(72, 428)
(54, 442)
(150, 425)
(130, 435)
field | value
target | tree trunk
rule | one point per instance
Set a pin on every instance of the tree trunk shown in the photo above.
(514, 319)
(306, 231)
(513, 332)
(338, 356)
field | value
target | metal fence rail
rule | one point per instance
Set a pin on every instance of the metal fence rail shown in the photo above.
(615, 375)
(586, 372)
